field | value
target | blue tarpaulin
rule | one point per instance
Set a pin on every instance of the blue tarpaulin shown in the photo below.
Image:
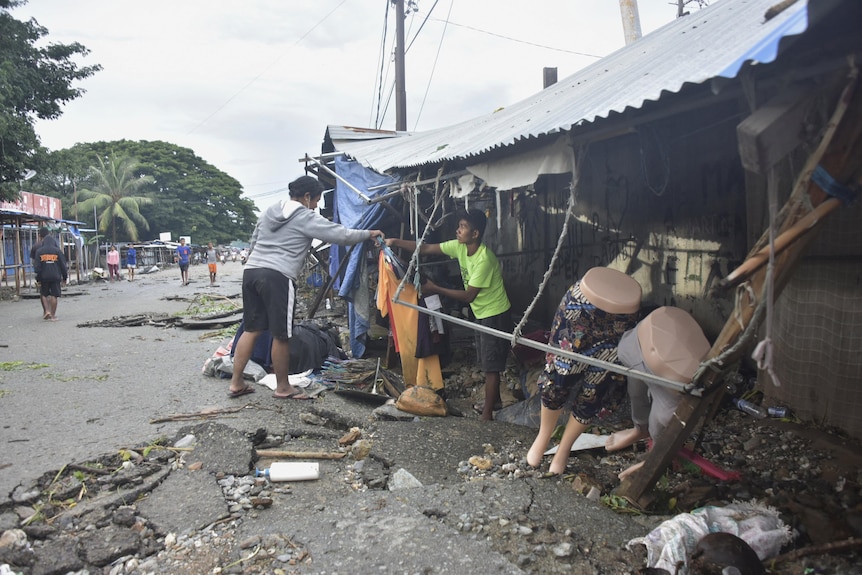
(352, 211)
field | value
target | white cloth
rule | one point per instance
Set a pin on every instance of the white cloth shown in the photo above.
(674, 540)
(524, 169)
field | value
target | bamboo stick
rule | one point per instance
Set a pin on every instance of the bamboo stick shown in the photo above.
(275, 453)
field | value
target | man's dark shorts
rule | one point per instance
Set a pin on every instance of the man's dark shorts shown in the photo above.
(492, 352)
(268, 301)
(184, 267)
(49, 288)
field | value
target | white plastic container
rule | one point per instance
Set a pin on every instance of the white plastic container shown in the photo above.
(291, 471)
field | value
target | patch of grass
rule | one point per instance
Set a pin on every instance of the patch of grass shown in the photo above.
(205, 305)
(67, 378)
(15, 365)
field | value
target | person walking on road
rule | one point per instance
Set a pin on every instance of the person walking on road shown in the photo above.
(279, 245)
(113, 259)
(131, 262)
(50, 266)
(183, 256)
(43, 231)
(212, 258)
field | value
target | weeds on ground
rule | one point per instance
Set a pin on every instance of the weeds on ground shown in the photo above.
(203, 305)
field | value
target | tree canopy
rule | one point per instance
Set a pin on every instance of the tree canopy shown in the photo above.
(112, 196)
(190, 196)
(35, 81)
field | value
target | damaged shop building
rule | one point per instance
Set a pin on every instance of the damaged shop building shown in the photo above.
(682, 160)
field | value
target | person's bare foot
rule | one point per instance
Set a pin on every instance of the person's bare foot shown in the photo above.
(622, 439)
(556, 468)
(535, 456)
(626, 472)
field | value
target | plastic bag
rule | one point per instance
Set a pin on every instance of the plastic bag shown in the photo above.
(674, 540)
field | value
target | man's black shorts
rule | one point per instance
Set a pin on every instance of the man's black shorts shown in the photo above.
(268, 301)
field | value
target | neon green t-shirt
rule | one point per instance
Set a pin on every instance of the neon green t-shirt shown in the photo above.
(481, 270)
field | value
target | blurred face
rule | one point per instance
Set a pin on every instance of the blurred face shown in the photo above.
(465, 233)
(310, 202)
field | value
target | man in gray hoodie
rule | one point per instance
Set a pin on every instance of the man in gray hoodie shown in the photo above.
(279, 245)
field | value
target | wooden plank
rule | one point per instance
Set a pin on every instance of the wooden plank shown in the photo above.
(774, 130)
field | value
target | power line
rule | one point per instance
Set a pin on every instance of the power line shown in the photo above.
(265, 194)
(447, 21)
(436, 58)
(265, 70)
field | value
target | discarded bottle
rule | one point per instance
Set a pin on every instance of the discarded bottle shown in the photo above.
(328, 303)
(290, 471)
(751, 409)
(777, 412)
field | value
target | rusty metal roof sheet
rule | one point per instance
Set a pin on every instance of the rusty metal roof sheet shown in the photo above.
(713, 42)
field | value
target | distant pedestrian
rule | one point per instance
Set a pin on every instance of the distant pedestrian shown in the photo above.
(50, 266)
(212, 257)
(131, 262)
(43, 231)
(184, 253)
(113, 263)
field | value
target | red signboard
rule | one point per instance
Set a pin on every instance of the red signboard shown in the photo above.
(36, 205)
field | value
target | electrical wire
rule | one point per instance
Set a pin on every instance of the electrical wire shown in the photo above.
(380, 77)
(520, 41)
(436, 58)
(265, 70)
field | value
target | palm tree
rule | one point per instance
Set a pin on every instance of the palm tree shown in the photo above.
(112, 196)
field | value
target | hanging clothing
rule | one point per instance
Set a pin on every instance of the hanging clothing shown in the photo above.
(404, 322)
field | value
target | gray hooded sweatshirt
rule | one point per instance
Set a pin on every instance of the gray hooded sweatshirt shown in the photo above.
(284, 232)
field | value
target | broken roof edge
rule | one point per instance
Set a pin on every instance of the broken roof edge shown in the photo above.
(624, 81)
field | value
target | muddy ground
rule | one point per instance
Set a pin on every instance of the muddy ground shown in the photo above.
(87, 476)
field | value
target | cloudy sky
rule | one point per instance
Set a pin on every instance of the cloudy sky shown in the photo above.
(251, 86)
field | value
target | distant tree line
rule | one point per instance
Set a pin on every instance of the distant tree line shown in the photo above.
(135, 189)
(142, 188)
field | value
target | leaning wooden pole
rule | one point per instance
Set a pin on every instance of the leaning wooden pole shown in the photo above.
(840, 153)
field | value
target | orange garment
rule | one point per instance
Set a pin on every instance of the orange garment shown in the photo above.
(404, 322)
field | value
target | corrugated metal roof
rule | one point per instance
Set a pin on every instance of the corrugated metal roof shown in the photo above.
(709, 43)
(339, 133)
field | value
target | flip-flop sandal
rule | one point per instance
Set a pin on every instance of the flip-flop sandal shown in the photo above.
(240, 392)
(297, 395)
(480, 407)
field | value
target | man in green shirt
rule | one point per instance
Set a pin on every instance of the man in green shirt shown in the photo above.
(483, 290)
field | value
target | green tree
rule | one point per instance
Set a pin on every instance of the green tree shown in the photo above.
(191, 197)
(34, 83)
(115, 180)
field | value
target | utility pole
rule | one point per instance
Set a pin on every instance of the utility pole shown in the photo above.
(631, 20)
(400, 81)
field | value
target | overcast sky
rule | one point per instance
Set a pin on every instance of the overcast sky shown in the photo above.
(251, 86)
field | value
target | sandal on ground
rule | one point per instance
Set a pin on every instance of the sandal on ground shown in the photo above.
(298, 395)
(480, 407)
(240, 392)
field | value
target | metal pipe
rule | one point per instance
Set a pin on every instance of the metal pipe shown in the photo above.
(332, 173)
(547, 348)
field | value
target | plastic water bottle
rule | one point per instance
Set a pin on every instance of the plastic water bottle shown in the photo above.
(290, 471)
(751, 409)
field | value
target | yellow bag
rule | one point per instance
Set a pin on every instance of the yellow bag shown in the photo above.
(421, 400)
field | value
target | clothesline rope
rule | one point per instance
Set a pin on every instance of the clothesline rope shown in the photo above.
(570, 212)
(414, 259)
